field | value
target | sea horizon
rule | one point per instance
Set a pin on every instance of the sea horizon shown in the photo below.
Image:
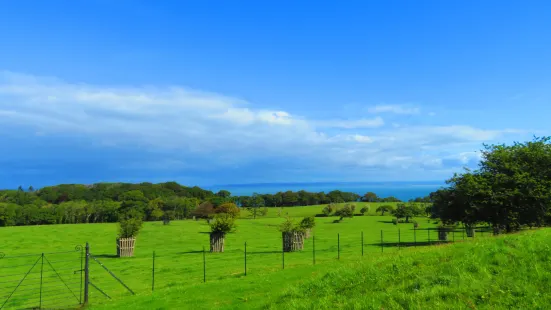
(402, 190)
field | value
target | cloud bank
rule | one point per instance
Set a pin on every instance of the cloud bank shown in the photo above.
(183, 129)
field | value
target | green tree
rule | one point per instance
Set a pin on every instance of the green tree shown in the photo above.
(384, 208)
(223, 193)
(370, 197)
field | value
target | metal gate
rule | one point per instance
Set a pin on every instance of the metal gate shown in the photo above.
(42, 281)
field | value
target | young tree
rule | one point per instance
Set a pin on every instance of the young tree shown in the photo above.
(255, 205)
(384, 208)
(345, 211)
(364, 210)
(228, 208)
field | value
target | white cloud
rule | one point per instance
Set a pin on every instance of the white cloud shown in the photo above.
(396, 109)
(361, 139)
(224, 129)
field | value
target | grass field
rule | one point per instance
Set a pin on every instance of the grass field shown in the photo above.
(179, 257)
(505, 272)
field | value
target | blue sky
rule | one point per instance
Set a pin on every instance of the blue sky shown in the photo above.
(224, 92)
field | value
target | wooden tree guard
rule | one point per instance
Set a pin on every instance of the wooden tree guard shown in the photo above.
(217, 242)
(293, 241)
(470, 232)
(125, 247)
(307, 233)
(166, 221)
(443, 234)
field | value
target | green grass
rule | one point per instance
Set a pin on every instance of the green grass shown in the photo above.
(179, 257)
(506, 272)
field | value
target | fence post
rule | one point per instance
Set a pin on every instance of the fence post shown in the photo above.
(81, 270)
(399, 238)
(414, 236)
(41, 278)
(245, 258)
(382, 247)
(338, 246)
(86, 273)
(428, 233)
(153, 274)
(314, 249)
(283, 257)
(204, 266)
(362, 243)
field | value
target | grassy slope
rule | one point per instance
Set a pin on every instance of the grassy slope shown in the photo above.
(490, 273)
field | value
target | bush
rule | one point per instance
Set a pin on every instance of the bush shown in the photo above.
(395, 221)
(384, 208)
(229, 208)
(364, 210)
(290, 226)
(130, 224)
(415, 224)
(222, 223)
(308, 222)
(328, 210)
(204, 210)
(345, 211)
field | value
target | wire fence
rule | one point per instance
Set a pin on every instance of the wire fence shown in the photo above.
(41, 281)
(68, 279)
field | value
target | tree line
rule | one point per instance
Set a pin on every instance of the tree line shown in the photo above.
(105, 202)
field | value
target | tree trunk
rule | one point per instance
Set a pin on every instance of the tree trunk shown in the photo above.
(470, 231)
(293, 241)
(217, 242)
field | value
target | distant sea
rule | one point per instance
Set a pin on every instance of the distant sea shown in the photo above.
(401, 190)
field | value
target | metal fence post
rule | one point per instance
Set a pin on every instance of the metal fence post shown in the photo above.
(399, 238)
(314, 249)
(382, 247)
(362, 243)
(428, 233)
(41, 279)
(86, 273)
(283, 257)
(153, 274)
(245, 258)
(338, 246)
(204, 266)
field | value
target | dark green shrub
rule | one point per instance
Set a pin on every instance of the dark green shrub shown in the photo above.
(345, 211)
(130, 224)
(308, 222)
(395, 221)
(364, 210)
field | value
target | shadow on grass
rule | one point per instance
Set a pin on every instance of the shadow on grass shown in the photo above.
(408, 244)
(105, 255)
